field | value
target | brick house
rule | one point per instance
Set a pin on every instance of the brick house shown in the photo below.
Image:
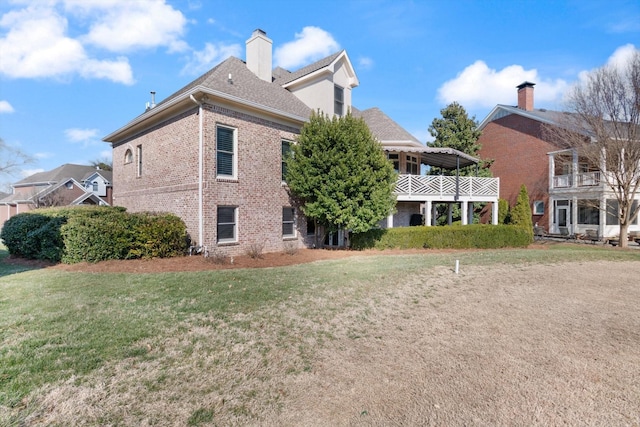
(567, 194)
(212, 152)
(67, 184)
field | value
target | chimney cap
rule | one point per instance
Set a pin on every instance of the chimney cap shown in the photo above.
(259, 31)
(525, 84)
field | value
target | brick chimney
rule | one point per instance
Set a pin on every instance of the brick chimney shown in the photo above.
(259, 56)
(525, 96)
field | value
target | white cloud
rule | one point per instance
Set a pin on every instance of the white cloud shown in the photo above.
(125, 25)
(621, 56)
(480, 86)
(36, 46)
(212, 54)
(365, 63)
(85, 137)
(311, 44)
(5, 107)
(43, 155)
(618, 59)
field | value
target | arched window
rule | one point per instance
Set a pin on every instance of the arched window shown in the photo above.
(128, 156)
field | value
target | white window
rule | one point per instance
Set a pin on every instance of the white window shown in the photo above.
(95, 186)
(226, 149)
(412, 165)
(338, 100)
(538, 207)
(227, 224)
(288, 222)
(395, 159)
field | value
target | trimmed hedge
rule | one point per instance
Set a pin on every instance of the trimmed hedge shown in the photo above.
(96, 233)
(482, 236)
(33, 236)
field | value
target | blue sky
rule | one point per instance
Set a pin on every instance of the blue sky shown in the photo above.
(73, 71)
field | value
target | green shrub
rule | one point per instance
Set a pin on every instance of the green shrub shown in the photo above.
(503, 211)
(481, 236)
(33, 236)
(93, 233)
(158, 236)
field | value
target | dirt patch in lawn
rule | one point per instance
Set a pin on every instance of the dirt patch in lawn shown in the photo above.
(533, 345)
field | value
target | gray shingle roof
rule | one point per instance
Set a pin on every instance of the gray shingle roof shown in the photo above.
(383, 127)
(283, 78)
(65, 171)
(246, 86)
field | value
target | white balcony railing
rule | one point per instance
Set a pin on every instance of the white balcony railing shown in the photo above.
(586, 179)
(444, 187)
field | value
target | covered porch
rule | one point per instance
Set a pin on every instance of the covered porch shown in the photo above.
(418, 195)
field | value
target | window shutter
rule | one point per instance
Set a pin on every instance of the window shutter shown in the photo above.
(224, 163)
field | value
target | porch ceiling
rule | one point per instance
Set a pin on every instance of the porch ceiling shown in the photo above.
(441, 157)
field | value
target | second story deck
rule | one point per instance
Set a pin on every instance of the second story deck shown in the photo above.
(446, 188)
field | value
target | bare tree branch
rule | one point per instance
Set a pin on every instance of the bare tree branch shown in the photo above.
(602, 126)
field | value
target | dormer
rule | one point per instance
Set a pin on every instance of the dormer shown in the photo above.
(325, 85)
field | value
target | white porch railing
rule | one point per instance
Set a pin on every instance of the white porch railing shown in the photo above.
(445, 186)
(587, 179)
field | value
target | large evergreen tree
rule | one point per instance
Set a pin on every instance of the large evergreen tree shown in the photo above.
(458, 131)
(339, 174)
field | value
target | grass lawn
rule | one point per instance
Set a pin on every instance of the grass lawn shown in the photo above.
(233, 347)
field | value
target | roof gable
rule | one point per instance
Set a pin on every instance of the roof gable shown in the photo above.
(53, 176)
(541, 115)
(325, 65)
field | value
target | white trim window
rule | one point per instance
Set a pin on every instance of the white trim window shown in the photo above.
(227, 230)
(338, 100)
(288, 222)
(538, 207)
(412, 165)
(226, 152)
(395, 159)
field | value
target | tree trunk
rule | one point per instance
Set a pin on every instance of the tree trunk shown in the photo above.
(624, 234)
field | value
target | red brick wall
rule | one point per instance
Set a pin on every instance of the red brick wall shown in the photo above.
(169, 180)
(518, 149)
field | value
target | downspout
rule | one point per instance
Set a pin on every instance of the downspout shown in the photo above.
(200, 171)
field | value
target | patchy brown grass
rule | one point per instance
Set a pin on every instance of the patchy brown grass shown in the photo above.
(531, 345)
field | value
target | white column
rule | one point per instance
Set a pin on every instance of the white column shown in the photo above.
(574, 214)
(427, 213)
(390, 221)
(494, 213)
(603, 216)
(464, 213)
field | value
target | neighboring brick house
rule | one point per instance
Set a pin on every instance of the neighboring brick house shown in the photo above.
(68, 184)
(566, 193)
(212, 152)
